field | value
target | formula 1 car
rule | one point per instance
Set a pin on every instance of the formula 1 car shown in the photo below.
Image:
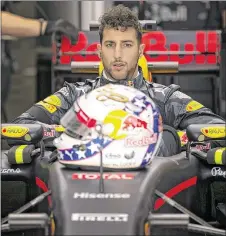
(171, 197)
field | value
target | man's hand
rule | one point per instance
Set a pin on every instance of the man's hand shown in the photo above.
(63, 27)
(18, 26)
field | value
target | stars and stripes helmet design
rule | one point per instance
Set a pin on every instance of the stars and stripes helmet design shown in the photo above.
(118, 121)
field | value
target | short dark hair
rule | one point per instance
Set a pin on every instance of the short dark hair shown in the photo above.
(120, 16)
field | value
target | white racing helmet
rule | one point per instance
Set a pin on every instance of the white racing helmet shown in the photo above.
(118, 121)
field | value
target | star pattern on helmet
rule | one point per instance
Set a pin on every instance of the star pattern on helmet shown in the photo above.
(141, 102)
(148, 154)
(91, 149)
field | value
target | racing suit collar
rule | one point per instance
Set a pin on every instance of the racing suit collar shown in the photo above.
(136, 82)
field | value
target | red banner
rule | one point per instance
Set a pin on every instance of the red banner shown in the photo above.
(206, 42)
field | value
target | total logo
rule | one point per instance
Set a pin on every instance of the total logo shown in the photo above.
(106, 176)
(101, 195)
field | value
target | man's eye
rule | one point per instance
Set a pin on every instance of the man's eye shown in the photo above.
(128, 45)
(109, 45)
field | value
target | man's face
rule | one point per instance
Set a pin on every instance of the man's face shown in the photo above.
(120, 52)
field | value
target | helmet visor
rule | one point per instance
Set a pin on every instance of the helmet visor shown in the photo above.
(77, 123)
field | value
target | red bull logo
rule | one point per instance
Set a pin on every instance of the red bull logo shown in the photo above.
(204, 147)
(133, 122)
(205, 42)
(139, 142)
(123, 123)
(183, 137)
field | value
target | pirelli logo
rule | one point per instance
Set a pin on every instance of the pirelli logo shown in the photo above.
(99, 217)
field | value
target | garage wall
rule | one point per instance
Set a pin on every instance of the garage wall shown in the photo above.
(22, 94)
(23, 89)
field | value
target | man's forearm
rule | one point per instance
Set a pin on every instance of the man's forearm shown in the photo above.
(18, 26)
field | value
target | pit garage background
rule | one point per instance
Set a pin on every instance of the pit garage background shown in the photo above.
(32, 78)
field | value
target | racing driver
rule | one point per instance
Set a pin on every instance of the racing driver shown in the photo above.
(120, 49)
